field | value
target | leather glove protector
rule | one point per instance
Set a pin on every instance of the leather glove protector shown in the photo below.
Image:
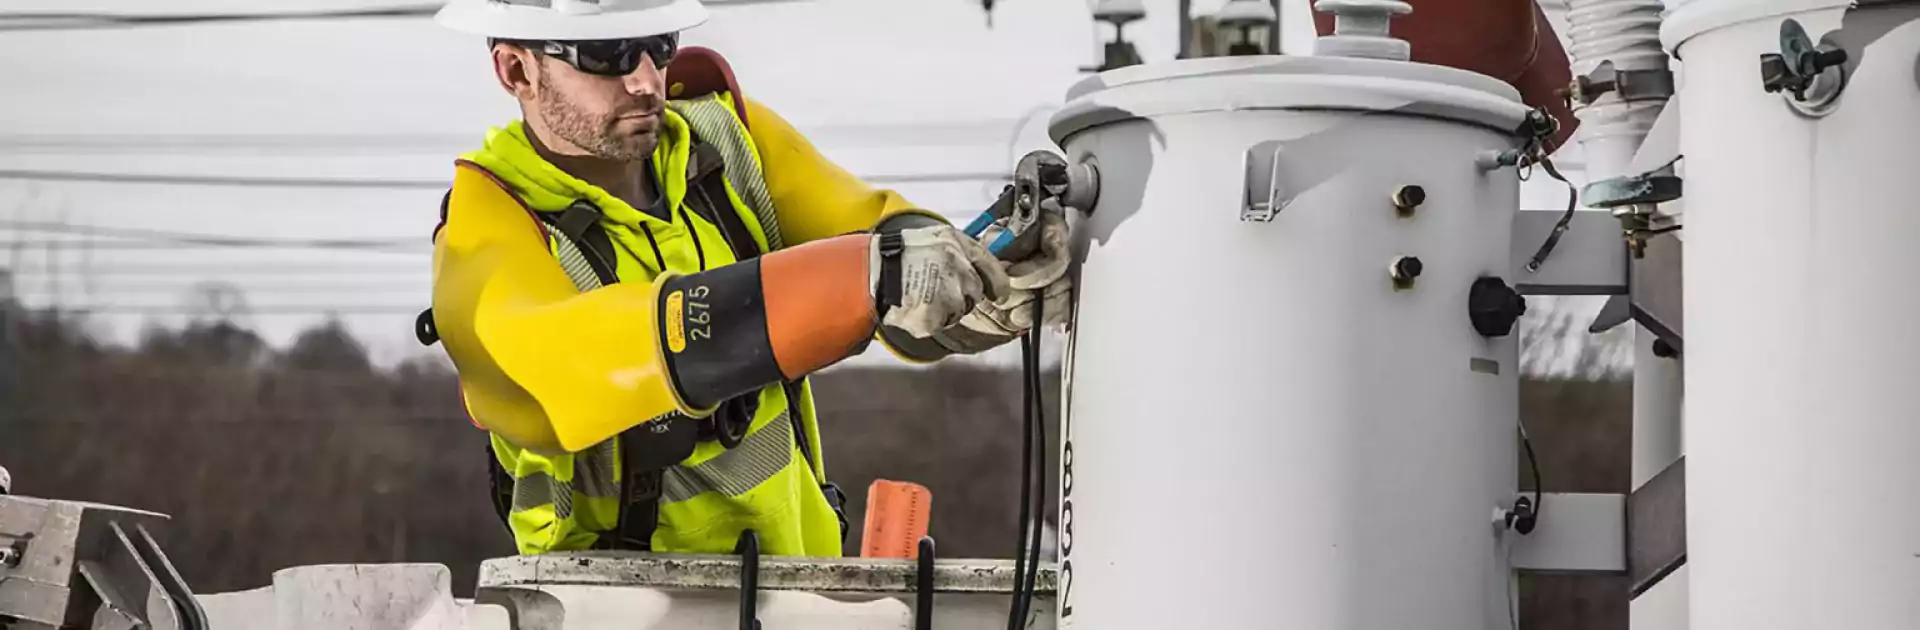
(1048, 262)
(993, 324)
(926, 279)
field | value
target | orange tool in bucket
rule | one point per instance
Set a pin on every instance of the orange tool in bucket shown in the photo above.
(897, 514)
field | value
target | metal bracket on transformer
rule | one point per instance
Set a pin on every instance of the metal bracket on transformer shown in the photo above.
(1642, 535)
(1590, 259)
(1657, 187)
(1577, 533)
(1631, 85)
(1265, 191)
(67, 564)
(1653, 299)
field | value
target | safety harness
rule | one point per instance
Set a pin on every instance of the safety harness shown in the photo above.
(586, 253)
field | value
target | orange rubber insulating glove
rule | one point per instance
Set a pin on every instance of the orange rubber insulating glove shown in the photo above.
(734, 329)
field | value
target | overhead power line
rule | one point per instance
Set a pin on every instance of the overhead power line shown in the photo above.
(197, 238)
(219, 180)
(864, 135)
(394, 184)
(248, 268)
(99, 20)
(151, 239)
(250, 310)
(370, 247)
(92, 20)
(422, 287)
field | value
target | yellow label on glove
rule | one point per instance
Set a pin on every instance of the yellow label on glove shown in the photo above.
(676, 313)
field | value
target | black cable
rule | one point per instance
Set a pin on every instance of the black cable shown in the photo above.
(1032, 473)
(1539, 486)
(1566, 219)
(1039, 428)
(1015, 615)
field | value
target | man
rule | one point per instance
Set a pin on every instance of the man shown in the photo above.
(635, 279)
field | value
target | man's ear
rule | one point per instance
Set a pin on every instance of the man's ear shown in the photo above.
(515, 67)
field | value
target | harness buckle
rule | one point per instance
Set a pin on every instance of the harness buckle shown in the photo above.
(838, 500)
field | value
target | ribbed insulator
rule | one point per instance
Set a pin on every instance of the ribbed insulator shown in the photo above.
(1624, 31)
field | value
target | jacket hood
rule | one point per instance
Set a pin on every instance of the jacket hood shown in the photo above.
(510, 156)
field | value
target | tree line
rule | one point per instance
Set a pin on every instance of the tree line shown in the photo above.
(271, 457)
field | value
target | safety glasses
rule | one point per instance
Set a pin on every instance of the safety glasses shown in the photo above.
(611, 57)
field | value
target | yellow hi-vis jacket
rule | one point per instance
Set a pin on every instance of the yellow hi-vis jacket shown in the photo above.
(557, 367)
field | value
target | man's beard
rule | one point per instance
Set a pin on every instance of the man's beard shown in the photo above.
(599, 137)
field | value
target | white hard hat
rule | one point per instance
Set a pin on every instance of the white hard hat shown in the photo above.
(571, 19)
(6, 482)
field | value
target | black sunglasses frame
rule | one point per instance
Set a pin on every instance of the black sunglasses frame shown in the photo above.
(607, 57)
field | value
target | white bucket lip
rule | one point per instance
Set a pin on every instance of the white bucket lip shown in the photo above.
(1700, 16)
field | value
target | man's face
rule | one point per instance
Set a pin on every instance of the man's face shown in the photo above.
(613, 118)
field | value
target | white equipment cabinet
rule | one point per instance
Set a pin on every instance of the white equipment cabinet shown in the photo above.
(1264, 426)
(1801, 414)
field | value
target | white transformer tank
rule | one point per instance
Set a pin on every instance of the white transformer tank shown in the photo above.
(1803, 425)
(1265, 427)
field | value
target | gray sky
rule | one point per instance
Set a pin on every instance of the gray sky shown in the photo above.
(885, 87)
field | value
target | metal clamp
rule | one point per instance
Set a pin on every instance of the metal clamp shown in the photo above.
(1812, 76)
(1660, 186)
(1631, 85)
(1042, 182)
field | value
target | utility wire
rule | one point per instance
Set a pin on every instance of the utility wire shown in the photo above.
(84, 21)
(422, 288)
(191, 238)
(370, 247)
(96, 20)
(221, 180)
(400, 184)
(235, 269)
(894, 135)
(249, 310)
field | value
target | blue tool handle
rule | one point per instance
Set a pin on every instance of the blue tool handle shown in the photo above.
(980, 224)
(1001, 242)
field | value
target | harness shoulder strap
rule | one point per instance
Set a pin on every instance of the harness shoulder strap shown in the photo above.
(707, 195)
(581, 241)
(724, 129)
